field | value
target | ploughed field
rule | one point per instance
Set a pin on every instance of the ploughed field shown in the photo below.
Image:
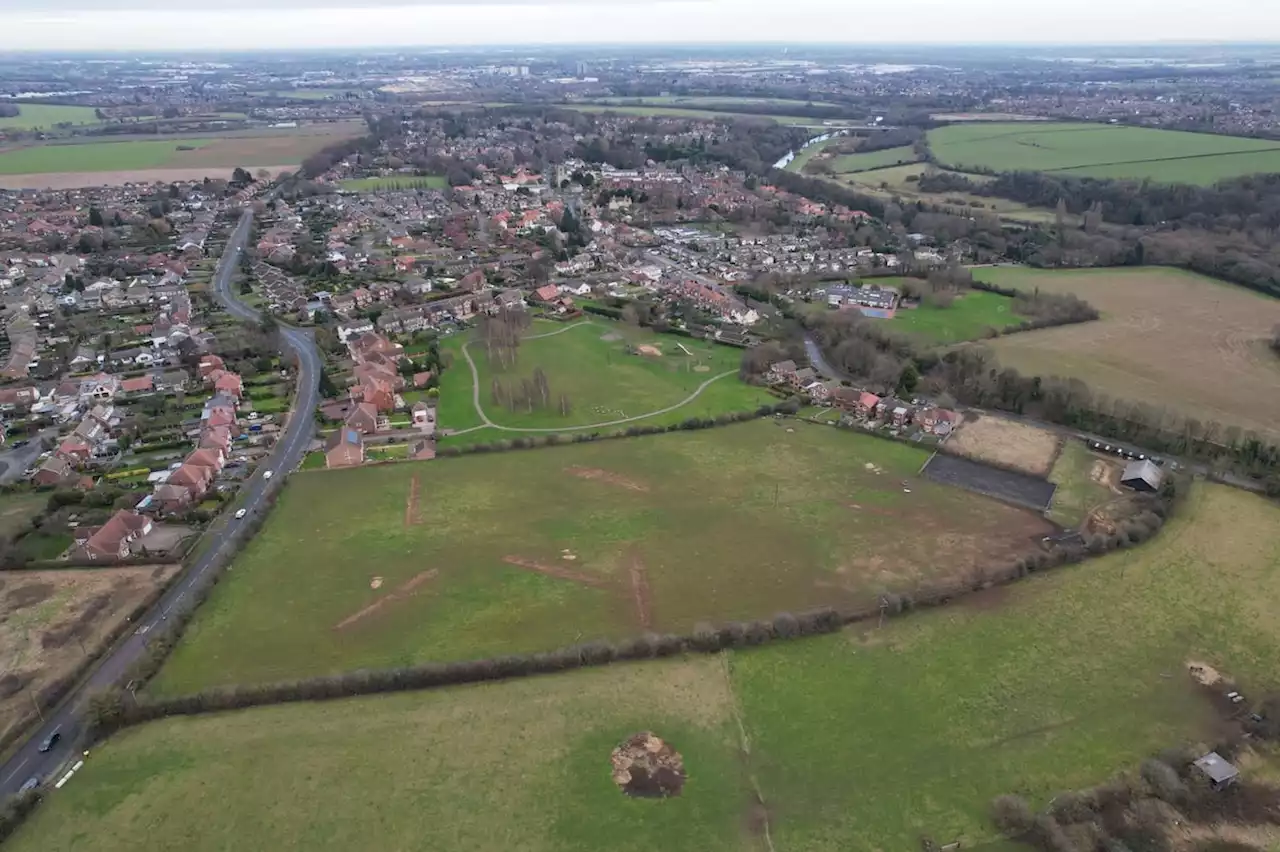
(866, 739)
(525, 551)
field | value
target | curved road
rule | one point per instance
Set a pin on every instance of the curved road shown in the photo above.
(27, 761)
(475, 396)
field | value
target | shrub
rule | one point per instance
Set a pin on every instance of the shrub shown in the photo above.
(1012, 815)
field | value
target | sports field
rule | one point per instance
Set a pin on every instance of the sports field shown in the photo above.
(608, 371)
(46, 116)
(526, 551)
(969, 317)
(1168, 338)
(867, 739)
(396, 182)
(1098, 150)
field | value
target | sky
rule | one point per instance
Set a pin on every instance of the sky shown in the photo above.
(265, 24)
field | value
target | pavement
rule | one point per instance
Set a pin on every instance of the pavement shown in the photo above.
(27, 761)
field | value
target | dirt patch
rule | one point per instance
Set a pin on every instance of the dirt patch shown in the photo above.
(553, 571)
(1106, 475)
(375, 583)
(403, 591)
(1007, 443)
(702, 368)
(599, 475)
(649, 351)
(411, 516)
(646, 767)
(640, 592)
(1203, 673)
(29, 595)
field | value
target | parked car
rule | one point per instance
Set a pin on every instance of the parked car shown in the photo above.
(50, 741)
(240, 513)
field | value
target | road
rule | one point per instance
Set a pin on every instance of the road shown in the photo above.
(14, 463)
(27, 761)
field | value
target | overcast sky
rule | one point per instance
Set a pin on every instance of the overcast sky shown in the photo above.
(182, 24)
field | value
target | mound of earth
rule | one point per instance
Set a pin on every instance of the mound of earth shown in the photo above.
(646, 767)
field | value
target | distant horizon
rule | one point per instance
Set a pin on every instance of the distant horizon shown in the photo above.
(170, 26)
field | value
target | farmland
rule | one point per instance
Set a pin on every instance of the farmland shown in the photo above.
(395, 182)
(969, 317)
(133, 159)
(866, 739)
(1096, 150)
(46, 117)
(1166, 338)
(525, 551)
(50, 619)
(868, 160)
(609, 371)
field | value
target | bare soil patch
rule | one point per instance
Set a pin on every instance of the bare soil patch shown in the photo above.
(649, 351)
(49, 620)
(640, 592)
(411, 517)
(599, 475)
(646, 767)
(403, 591)
(1007, 443)
(553, 571)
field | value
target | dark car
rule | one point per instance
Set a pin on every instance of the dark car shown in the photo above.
(50, 741)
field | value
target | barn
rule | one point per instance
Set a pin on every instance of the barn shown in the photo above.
(1142, 476)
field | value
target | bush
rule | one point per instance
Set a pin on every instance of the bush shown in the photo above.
(1164, 781)
(1012, 815)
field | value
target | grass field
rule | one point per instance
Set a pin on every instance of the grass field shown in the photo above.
(17, 510)
(1103, 151)
(269, 149)
(46, 116)
(398, 182)
(968, 318)
(865, 739)
(590, 362)
(869, 160)
(532, 550)
(903, 182)
(1082, 479)
(714, 101)
(679, 112)
(1167, 338)
(48, 619)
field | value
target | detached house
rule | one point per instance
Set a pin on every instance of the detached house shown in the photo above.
(344, 448)
(116, 538)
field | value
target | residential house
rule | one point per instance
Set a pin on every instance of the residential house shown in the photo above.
(546, 294)
(172, 499)
(229, 384)
(54, 471)
(782, 371)
(423, 449)
(75, 450)
(140, 385)
(820, 393)
(117, 538)
(100, 388)
(803, 377)
(363, 418)
(344, 448)
(868, 405)
(352, 328)
(196, 478)
(937, 421)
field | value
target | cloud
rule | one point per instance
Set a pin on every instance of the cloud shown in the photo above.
(272, 5)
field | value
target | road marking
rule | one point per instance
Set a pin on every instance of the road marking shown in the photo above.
(16, 770)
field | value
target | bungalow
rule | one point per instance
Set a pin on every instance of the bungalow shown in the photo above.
(423, 449)
(344, 448)
(142, 384)
(421, 380)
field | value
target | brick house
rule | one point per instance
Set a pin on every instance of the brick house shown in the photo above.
(363, 418)
(344, 448)
(938, 421)
(115, 539)
(782, 371)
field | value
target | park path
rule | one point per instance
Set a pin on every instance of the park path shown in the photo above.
(475, 396)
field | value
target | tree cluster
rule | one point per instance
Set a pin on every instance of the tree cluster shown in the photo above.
(500, 334)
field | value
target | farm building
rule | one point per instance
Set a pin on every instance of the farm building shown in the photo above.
(1217, 770)
(1142, 476)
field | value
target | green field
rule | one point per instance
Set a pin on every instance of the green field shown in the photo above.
(396, 182)
(869, 160)
(677, 112)
(713, 101)
(1099, 150)
(1078, 492)
(17, 510)
(902, 182)
(94, 156)
(45, 116)
(968, 318)
(731, 523)
(866, 739)
(590, 362)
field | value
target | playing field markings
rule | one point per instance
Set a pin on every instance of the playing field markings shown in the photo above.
(553, 571)
(402, 591)
(411, 517)
(640, 587)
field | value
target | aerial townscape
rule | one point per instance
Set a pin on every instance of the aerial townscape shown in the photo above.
(601, 445)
